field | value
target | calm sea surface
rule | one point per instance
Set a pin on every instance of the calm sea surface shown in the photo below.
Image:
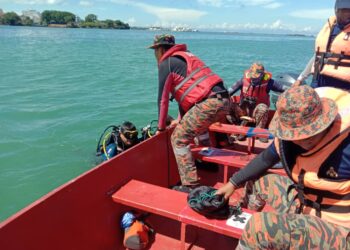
(60, 88)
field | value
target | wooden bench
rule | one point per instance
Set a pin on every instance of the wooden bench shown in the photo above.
(251, 132)
(171, 204)
(228, 158)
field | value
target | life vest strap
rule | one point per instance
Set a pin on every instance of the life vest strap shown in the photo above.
(326, 207)
(327, 194)
(326, 58)
(300, 189)
(333, 55)
(337, 64)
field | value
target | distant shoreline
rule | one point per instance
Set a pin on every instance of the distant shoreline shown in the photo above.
(170, 30)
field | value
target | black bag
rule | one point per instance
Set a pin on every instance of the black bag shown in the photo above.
(204, 201)
(248, 102)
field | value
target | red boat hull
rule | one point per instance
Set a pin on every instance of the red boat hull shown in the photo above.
(82, 215)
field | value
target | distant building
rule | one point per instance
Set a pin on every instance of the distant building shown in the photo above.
(183, 29)
(32, 14)
(1, 13)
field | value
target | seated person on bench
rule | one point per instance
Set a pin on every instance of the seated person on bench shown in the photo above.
(254, 98)
(312, 139)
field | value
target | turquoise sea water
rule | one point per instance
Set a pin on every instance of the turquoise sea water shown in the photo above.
(59, 89)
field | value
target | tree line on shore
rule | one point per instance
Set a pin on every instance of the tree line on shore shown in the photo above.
(62, 18)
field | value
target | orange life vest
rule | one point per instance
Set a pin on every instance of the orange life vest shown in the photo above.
(258, 92)
(323, 197)
(198, 82)
(333, 59)
(137, 235)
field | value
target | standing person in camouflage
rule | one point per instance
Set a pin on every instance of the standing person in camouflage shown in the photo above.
(312, 204)
(201, 96)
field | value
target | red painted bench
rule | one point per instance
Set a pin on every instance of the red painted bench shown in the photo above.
(228, 158)
(251, 132)
(171, 204)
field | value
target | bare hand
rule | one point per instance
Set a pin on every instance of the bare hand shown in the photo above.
(174, 123)
(297, 83)
(158, 132)
(227, 190)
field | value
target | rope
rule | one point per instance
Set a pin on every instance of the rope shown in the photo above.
(202, 197)
(251, 133)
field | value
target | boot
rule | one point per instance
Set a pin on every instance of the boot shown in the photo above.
(183, 188)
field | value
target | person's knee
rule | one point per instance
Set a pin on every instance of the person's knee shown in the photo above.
(258, 233)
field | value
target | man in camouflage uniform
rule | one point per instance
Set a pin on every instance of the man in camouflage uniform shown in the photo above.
(312, 130)
(255, 86)
(201, 96)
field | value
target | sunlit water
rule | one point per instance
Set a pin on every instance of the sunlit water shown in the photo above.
(59, 89)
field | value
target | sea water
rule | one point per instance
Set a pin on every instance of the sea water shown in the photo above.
(60, 88)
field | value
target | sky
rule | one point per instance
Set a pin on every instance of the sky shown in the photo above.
(267, 16)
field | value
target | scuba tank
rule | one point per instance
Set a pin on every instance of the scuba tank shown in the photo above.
(111, 143)
(107, 144)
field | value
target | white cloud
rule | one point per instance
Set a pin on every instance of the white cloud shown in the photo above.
(313, 14)
(273, 5)
(268, 4)
(85, 3)
(276, 26)
(215, 3)
(32, 2)
(131, 21)
(164, 14)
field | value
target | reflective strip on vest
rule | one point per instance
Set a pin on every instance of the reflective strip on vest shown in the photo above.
(194, 85)
(188, 78)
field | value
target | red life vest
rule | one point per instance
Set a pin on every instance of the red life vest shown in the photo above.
(258, 92)
(324, 197)
(198, 82)
(333, 60)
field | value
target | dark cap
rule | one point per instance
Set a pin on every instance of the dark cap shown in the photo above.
(163, 39)
(342, 4)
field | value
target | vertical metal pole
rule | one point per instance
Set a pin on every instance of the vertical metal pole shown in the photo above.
(225, 173)
(183, 236)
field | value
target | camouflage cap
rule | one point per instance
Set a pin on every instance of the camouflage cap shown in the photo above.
(256, 70)
(301, 114)
(164, 39)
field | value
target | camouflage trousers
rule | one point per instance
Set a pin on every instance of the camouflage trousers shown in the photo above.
(195, 122)
(260, 114)
(284, 229)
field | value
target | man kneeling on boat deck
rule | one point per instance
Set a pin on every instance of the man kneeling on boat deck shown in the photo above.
(201, 96)
(312, 205)
(254, 98)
